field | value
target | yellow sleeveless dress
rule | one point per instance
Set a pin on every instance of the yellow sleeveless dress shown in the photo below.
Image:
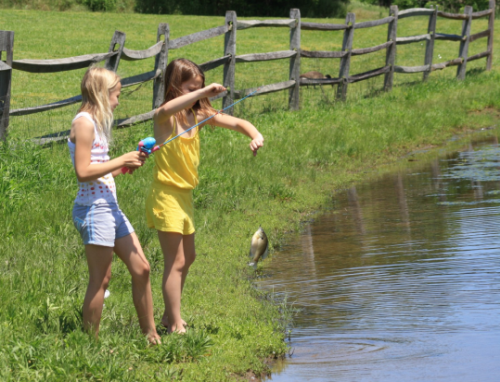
(169, 206)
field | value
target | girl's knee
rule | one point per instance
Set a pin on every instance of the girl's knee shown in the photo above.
(142, 271)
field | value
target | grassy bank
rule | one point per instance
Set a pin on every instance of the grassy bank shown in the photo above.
(308, 155)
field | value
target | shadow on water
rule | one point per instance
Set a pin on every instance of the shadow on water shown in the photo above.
(400, 281)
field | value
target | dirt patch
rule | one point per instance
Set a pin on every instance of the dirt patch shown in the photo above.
(487, 110)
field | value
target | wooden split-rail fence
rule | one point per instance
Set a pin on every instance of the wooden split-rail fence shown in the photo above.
(118, 51)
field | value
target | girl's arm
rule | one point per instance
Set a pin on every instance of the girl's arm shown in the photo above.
(242, 126)
(186, 101)
(82, 135)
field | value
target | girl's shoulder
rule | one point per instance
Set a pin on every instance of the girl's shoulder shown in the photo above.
(85, 115)
(82, 125)
(160, 117)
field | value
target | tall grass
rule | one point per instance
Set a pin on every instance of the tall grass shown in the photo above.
(308, 154)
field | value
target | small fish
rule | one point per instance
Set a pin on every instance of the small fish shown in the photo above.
(259, 247)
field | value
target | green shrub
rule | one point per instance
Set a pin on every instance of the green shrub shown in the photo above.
(278, 8)
(100, 5)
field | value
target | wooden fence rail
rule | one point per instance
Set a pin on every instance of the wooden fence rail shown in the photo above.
(160, 49)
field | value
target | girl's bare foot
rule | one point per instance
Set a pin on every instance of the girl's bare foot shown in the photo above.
(164, 322)
(154, 339)
(179, 328)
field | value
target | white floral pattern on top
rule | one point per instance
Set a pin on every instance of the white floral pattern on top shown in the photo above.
(101, 190)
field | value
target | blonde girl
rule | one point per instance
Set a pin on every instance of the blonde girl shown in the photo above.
(102, 225)
(169, 206)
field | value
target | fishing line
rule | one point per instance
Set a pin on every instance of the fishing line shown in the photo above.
(206, 119)
(147, 144)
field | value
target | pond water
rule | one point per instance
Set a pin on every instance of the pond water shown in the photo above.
(400, 281)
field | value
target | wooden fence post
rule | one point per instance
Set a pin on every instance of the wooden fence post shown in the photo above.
(345, 62)
(390, 53)
(464, 43)
(294, 92)
(7, 46)
(112, 62)
(161, 61)
(429, 46)
(491, 23)
(229, 67)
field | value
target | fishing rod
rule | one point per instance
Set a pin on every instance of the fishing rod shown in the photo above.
(147, 145)
(206, 119)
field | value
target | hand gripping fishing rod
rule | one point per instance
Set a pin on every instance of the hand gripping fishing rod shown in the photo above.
(147, 145)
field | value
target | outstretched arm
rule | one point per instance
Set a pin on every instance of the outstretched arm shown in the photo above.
(242, 126)
(186, 101)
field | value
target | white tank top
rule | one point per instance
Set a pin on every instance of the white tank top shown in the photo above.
(101, 190)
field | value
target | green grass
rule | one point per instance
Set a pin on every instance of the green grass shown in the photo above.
(308, 155)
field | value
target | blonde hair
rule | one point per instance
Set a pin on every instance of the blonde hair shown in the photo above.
(179, 71)
(96, 86)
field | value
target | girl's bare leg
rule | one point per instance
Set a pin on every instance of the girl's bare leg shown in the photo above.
(129, 250)
(178, 254)
(99, 263)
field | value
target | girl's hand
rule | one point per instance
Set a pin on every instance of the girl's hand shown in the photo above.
(134, 159)
(213, 89)
(256, 144)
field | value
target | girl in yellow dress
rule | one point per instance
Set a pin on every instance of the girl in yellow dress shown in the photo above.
(169, 206)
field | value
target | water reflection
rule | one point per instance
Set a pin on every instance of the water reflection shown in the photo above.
(401, 281)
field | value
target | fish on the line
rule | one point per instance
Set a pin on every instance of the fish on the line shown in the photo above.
(259, 247)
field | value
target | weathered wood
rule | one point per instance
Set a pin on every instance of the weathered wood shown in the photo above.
(161, 61)
(134, 55)
(373, 23)
(360, 51)
(452, 16)
(52, 138)
(477, 36)
(245, 24)
(254, 57)
(440, 66)
(198, 36)
(322, 54)
(135, 119)
(448, 37)
(454, 62)
(112, 62)
(230, 65)
(478, 15)
(212, 64)
(415, 12)
(319, 81)
(491, 25)
(140, 78)
(429, 46)
(238, 94)
(322, 27)
(345, 62)
(294, 75)
(369, 74)
(390, 56)
(411, 39)
(411, 69)
(7, 47)
(464, 44)
(478, 56)
(61, 64)
(50, 106)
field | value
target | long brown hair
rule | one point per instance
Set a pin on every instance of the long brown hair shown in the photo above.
(178, 72)
(97, 84)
